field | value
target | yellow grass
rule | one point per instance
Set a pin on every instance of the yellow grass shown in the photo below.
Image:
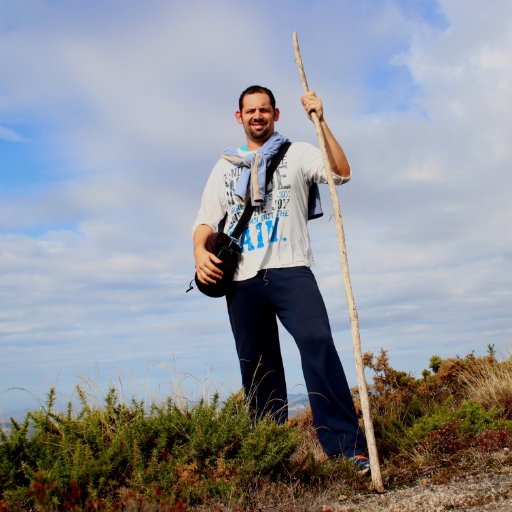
(490, 384)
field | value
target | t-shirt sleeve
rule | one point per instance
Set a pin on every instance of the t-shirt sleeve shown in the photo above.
(213, 201)
(313, 165)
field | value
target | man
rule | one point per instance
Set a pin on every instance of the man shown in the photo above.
(273, 279)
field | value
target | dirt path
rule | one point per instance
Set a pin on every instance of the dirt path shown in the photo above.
(491, 491)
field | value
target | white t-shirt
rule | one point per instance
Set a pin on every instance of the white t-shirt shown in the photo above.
(276, 235)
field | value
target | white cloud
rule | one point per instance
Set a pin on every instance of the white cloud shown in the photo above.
(10, 135)
(132, 108)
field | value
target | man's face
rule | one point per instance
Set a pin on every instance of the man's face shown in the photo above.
(258, 118)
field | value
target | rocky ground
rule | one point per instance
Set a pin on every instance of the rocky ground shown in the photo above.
(479, 491)
(476, 493)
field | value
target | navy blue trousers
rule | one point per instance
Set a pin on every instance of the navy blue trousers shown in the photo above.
(293, 296)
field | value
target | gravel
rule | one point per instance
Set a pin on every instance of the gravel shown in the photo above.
(482, 492)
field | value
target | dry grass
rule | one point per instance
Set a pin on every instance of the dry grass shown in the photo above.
(309, 445)
(490, 384)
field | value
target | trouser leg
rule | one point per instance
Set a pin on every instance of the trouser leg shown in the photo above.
(255, 330)
(301, 309)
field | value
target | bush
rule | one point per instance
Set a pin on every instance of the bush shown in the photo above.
(188, 453)
(468, 419)
(400, 401)
(169, 457)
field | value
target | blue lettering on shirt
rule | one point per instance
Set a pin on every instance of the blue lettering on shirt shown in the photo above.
(246, 241)
(272, 230)
(259, 235)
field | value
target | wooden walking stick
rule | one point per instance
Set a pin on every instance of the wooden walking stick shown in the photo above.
(354, 321)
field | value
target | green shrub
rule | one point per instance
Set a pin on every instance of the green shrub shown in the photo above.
(468, 419)
(160, 457)
(193, 453)
(266, 448)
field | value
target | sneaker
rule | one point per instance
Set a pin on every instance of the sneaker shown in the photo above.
(362, 464)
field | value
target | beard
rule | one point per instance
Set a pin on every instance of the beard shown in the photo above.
(260, 132)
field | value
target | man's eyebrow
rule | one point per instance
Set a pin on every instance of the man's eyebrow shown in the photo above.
(251, 109)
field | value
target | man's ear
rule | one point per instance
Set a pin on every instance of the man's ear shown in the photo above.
(238, 116)
(276, 114)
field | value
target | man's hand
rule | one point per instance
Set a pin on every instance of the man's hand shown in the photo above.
(337, 159)
(206, 266)
(206, 263)
(312, 103)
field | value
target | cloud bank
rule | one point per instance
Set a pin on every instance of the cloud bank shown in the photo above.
(111, 116)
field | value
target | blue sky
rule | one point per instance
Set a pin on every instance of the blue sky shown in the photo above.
(111, 116)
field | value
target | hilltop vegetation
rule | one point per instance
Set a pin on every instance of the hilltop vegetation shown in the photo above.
(211, 456)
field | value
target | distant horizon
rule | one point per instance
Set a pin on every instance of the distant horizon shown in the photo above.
(295, 401)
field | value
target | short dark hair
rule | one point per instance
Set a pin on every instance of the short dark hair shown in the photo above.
(254, 89)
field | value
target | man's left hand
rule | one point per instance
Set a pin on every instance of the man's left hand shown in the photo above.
(312, 103)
